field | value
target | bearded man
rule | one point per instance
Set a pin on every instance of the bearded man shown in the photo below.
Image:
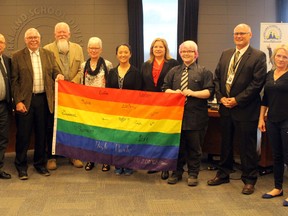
(69, 57)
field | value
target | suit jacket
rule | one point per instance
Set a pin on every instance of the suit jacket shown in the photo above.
(147, 78)
(76, 58)
(7, 63)
(246, 86)
(22, 76)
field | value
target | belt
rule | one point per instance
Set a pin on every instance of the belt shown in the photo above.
(38, 94)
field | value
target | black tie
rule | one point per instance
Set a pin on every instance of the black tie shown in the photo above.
(5, 77)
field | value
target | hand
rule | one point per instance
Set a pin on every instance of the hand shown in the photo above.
(173, 91)
(229, 102)
(262, 125)
(187, 92)
(20, 107)
(59, 77)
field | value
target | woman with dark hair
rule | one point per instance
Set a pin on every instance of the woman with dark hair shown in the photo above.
(124, 76)
(153, 72)
(95, 71)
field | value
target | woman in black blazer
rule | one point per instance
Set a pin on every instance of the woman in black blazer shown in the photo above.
(154, 70)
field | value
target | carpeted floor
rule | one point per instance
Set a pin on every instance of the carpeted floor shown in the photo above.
(75, 192)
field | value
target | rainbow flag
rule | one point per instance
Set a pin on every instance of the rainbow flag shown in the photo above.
(131, 129)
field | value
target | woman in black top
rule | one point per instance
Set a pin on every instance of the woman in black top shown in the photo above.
(275, 102)
(124, 76)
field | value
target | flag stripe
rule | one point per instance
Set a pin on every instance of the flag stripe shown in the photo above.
(109, 94)
(131, 162)
(114, 135)
(112, 148)
(120, 122)
(119, 108)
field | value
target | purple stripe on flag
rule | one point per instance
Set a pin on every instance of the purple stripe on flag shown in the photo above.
(131, 162)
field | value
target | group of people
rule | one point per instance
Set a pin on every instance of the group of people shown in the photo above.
(239, 78)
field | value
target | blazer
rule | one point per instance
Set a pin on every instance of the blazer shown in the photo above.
(147, 78)
(247, 84)
(22, 76)
(76, 58)
(7, 63)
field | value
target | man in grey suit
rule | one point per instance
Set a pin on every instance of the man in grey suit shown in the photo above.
(33, 73)
(5, 102)
(239, 78)
(69, 57)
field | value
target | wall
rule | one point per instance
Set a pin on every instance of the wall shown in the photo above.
(108, 20)
(217, 19)
(105, 19)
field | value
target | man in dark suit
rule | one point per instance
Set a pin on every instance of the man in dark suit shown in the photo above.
(33, 73)
(5, 100)
(239, 78)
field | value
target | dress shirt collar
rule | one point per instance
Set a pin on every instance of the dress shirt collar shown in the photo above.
(243, 50)
(36, 52)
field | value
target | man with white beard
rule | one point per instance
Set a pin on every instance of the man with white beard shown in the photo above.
(69, 57)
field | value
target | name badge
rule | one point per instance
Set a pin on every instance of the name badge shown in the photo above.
(230, 79)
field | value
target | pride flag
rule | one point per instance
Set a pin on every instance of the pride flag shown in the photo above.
(131, 129)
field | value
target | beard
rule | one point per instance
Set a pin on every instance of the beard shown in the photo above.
(63, 45)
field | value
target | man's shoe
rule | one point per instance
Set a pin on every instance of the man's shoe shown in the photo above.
(164, 175)
(51, 164)
(248, 189)
(174, 178)
(218, 181)
(4, 175)
(192, 181)
(43, 171)
(76, 163)
(22, 175)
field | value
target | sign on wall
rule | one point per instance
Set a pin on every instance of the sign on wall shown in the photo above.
(272, 35)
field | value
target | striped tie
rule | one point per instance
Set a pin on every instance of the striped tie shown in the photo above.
(184, 79)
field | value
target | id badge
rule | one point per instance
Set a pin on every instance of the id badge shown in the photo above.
(230, 79)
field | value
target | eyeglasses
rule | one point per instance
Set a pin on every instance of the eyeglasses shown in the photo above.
(187, 51)
(240, 33)
(32, 38)
(94, 48)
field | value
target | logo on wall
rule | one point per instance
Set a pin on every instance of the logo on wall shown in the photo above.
(43, 19)
(272, 34)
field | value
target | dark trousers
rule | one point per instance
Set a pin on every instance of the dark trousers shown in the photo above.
(4, 128)
(190, 151)
(247, 135)
(35, 118)
(278, 137)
